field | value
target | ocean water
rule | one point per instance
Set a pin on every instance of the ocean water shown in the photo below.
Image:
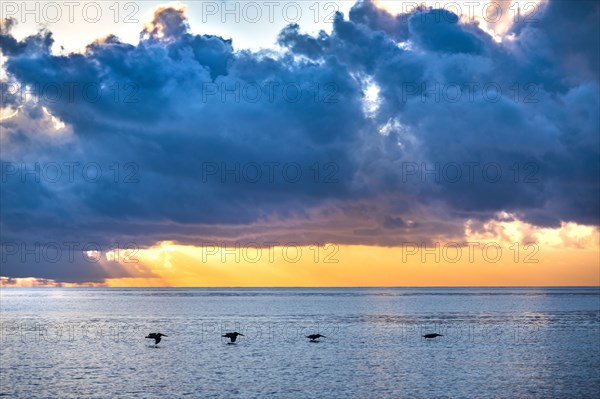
(497, 343)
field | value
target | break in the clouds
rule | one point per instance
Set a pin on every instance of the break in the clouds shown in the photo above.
(390, 128)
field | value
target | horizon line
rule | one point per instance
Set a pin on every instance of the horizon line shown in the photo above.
(312, 287)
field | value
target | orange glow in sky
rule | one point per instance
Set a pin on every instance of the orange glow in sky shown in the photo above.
(502, 254)
(369, 266)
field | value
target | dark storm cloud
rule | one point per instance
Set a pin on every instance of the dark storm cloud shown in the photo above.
(298, 43)
(34, 43)
(197, 143)
(439, 30)
(569, 32)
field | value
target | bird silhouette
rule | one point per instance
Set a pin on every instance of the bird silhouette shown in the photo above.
(431, 336)
(232, 336)
(315, 337)
(156, 337)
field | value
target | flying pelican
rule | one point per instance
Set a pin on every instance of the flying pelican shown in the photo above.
(431, 336)
(232, 336)
(315, 337)
(156, 337)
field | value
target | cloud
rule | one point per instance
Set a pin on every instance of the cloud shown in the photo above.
(377, 19)
(194, 142)
(576, 51)
(168, 24)
(438, 30)
(298, 43)
(40, 42)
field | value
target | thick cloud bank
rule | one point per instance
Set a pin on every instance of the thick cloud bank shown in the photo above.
(388, 129)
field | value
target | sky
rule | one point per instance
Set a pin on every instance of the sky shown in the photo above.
(369, 143)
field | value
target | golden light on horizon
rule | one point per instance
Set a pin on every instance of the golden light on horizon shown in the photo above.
(381, 266)
(500, 252)
(506, 251)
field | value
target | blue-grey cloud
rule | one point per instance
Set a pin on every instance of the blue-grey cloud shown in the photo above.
(180, 124)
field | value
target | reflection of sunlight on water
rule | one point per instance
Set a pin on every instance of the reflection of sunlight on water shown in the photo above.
(58, 293)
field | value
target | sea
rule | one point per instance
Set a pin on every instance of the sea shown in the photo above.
(518, 342)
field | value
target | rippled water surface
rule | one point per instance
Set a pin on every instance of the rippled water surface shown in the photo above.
(498, 342)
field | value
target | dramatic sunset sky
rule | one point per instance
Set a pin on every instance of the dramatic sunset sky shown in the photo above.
(369, 143)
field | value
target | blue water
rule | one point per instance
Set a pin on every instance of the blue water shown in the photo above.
(497, 343)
